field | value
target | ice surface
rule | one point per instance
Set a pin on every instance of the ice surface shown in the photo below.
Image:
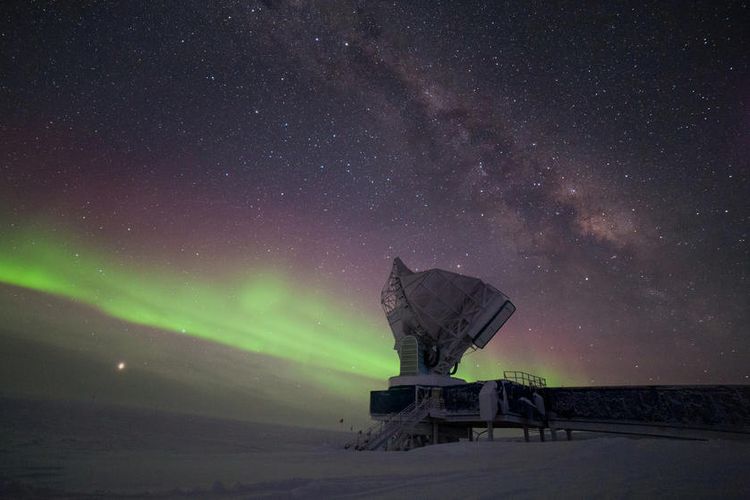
(64, 448)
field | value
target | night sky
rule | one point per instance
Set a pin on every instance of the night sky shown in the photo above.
(245, 172)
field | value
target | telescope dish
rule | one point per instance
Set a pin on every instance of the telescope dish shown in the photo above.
(446, 313)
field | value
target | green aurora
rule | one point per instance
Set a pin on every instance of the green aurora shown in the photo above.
(267, 314)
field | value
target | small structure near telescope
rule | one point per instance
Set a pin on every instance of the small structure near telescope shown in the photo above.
(437, 315)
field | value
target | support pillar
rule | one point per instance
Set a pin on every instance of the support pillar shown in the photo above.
(525, 433)
(471, 434)
(541, 434)
(435, 434)
(490, 431)
(569, 434)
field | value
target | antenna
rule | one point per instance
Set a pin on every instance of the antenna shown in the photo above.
(444, 312)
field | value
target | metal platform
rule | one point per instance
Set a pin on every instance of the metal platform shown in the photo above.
(697, 412)
(449, 413)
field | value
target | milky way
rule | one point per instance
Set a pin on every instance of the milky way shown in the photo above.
(590, 163)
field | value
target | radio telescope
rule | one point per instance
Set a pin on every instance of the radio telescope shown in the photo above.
(436, 315)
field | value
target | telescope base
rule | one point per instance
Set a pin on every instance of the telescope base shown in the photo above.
(425, 380)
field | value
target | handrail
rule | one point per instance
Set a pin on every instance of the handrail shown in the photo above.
(524, 378)
(379, 433)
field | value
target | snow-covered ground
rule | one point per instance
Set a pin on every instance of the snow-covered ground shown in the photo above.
(80, 449)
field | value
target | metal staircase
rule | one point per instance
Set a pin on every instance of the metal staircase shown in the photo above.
(378, 435)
